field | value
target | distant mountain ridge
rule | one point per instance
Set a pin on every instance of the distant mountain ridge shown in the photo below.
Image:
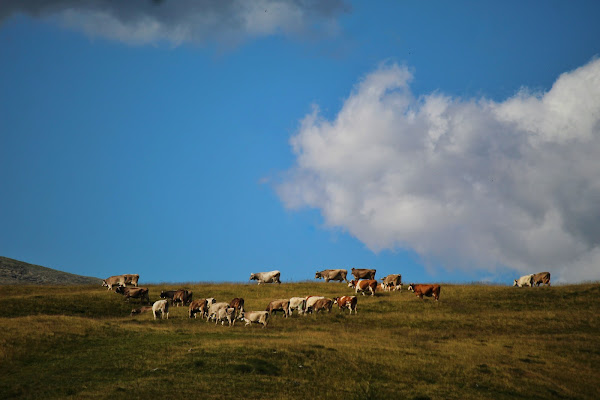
(18, 272)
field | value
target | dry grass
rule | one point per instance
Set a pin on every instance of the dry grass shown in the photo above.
(478, 342)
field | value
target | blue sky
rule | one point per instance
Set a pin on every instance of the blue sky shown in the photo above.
(152, 139)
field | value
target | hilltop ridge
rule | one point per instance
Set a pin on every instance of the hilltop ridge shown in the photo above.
(19, 272)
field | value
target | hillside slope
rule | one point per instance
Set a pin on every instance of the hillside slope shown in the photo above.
(19, 272)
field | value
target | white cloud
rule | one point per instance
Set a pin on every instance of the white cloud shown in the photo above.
(197, 21)
(471, 184)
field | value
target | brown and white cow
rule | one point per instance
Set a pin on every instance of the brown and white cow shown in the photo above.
(162, 307)
(364, 285)
(134, 293)
(363, 273)
(332, 275)
(392, 282)
(200, 306)
(322, 304)
(141, 310)
(279, 305)
(425, 290)
(238, 304)
(541, 277)
(182, 297)
(266, 277)
(349, 302)
(257, 317)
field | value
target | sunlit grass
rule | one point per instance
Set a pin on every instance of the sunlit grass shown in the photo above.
(490, 342)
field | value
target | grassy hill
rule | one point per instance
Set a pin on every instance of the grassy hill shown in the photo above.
(18, 272)
(477, 342)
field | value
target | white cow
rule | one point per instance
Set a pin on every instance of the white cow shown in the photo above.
(258, 317)
(162, 307)
(310, 302)
(297, 303)
(214, 308)
(225, 314)
(526, 280)
(266, 277)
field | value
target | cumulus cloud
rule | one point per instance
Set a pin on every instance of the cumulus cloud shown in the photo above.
(472, 184)
(178, 21)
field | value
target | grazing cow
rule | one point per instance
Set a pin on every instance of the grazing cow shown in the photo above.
(525, 280)
(162, 307)
(392, 282)
(425, 290)
(238, 304)
(364, 285)
(257, 317)
(225, 314)
(363, 273)
(134, 293)
(113, 280)
(141, 310)
(279, 305)
(214, 308)
(131, 279)
(332, 275)
(266, 277)
(297, 303)
(199, 306)
(168, 294)
(349, 302)
(542, 277)
(182, 296)
(310, 302)
(322, 304)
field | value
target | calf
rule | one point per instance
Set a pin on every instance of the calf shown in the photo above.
(425, 290)
(162, 307)
(257, 317)
(364, 285)
(310, 302)
(214, 308)
(349, 302)
(323, 304)
(279, 305)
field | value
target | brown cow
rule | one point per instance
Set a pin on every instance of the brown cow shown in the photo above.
(238, 304)
(425, 290)
(364, 285)
(279, 305)
(323, 304)
(182, 296)
(542, 277)
(349, 302)
(332, 275)
(198, 306)
(134, 293)
(363, 273)
(168, 294)
(141, 310)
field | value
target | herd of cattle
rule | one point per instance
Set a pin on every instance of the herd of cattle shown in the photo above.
(363, 282)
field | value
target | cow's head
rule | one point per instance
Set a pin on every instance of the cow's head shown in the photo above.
(104, 282)
(516, 283)
(411, 287)
(120, 289)
(253, 277)
(318, 275)
(135, 311)
(352, 284)
(335, 300)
